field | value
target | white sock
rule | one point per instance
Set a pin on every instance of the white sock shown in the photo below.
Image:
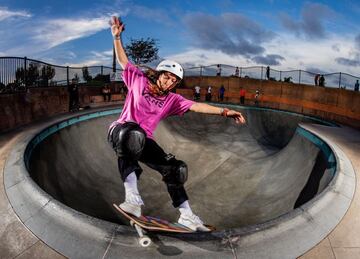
(185, 208)
(131, 184)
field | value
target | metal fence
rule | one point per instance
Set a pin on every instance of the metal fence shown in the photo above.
(334, 80)
(18, 74)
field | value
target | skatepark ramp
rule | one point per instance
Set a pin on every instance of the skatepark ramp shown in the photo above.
(238, 175)
(268, 183)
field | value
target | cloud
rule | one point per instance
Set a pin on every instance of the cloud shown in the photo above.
(357, 42)
(95, 58)
(270, 60)
(354, 55)
(152, 14)
(5, 14)
(231, 33)
(311, 25)
(348, 62)
(57, 31)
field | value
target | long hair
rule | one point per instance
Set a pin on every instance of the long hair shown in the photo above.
(151, 74)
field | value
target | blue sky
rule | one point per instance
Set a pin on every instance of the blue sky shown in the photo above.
(319, 36)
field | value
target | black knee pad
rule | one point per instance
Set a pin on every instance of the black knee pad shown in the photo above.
(129, 141)
(177, 173)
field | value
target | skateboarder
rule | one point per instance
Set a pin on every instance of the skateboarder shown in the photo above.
(150, 100)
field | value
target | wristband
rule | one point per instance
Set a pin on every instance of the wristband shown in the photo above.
(224, 112)
(116, 37)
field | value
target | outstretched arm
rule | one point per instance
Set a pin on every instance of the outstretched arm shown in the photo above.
(209, 109)
(117, 27)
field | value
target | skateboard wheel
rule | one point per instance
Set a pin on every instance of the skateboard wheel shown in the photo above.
(132, 223)
(145, 241)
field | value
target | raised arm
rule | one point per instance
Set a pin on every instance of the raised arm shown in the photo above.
(117, 27)
(209, 109)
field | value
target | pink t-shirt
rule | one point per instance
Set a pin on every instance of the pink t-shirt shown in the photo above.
(145, 109)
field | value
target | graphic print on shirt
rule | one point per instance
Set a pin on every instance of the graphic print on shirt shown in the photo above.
(159, 102)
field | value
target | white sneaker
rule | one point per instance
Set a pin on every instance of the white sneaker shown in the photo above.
(190, 220)
(132, 204)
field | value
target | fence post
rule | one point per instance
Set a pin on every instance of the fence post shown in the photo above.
(240, 71)
(102, 69)
(25, 71)
(261, 72)
(280, 76)
(299, 76)
(67, 75)
(340, 80)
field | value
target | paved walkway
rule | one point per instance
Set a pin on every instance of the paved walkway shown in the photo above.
(344, 241)
(16, 241)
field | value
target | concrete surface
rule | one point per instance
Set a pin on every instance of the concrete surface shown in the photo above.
(215, 245)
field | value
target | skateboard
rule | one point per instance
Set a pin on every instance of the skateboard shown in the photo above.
(144, 224)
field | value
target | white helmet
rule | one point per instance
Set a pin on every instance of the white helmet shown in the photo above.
(172, 67)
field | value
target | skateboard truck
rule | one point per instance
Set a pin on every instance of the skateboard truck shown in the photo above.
(144, 240)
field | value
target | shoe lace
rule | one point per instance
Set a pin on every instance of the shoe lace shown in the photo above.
(195, 218)
(134, 198)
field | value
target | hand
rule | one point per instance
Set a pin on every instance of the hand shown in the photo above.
(117, 26)
(237, 116)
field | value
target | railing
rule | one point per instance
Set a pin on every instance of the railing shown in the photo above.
(18, 74)
(334, 80)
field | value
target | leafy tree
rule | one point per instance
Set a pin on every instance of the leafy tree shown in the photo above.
(31, 75)
(142, 51)
(87, 77)
(47, 73)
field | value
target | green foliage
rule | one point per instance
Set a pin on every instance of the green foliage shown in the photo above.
(87, 77)
(47, 73)
(31, 75)
(142, 51)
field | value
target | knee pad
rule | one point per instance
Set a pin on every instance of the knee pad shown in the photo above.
(177, 173)
(129, 141)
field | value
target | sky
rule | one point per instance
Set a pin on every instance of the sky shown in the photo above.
(316, 36)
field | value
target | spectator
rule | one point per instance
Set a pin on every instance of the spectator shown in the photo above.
(322, 81)
(106, 92)
(267, 72)
(221, 93)
(218, 70)
(237, 72)
(356, 88)
(316, 79)
(242, 95)
(257, 97)
(197, 93)
(208, 94)
(73, 90)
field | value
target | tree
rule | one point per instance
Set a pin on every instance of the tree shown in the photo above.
(87, 77)
(142, 51)
(47, 73)
(31, 74)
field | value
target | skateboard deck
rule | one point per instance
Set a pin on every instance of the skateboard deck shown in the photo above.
(154, 224)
